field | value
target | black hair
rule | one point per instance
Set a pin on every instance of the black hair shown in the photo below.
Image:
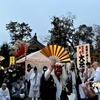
(17, 78)
(5, 65)
(28, 66)
(44, 67)
(35, 68)
(88, 63)
(72, 64)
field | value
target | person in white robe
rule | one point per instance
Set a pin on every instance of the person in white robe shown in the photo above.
(4, 92)
(74, 84)
(96, 78)
(82, 77)
(76, 81)
(93, 93)
(34, 85)
(27, 77)
(89, 72)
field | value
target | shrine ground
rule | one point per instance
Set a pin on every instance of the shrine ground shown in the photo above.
(27, 98)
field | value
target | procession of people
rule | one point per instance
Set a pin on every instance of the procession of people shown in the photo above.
(55, 83)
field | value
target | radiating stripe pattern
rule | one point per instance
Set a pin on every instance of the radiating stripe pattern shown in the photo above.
(56, 52)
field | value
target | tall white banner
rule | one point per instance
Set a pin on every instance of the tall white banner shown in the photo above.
(83, 55)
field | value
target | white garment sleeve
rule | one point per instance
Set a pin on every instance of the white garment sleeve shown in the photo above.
(96, 76)
(32, 76)
(13, 89)
(1, 95)
(47, 74)
(92, 75)
(8, 95)
(23, 86)
(26, 75)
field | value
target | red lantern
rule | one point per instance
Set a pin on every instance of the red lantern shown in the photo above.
(21, 51)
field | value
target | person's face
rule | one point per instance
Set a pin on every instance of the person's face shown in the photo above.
(94, 66)
(5, 68)
(4, 87)
(35, 71)
(88, 66)
(28, 68)
(58, 70)
(44, 69)
(7, 75)
(73, 67)
(18, 80)
(12, 66)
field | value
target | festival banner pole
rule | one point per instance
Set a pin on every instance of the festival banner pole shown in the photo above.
(25, 56)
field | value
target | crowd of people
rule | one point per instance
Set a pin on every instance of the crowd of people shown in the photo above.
(13, 79)
(55, 83)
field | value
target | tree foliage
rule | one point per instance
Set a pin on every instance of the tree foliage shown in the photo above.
(4, 51)
(97, 36)
(18, 31)
(84, 34)
(62, 31)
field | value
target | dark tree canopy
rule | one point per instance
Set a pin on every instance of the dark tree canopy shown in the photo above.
(62, 31)
(97, 36)
(4, 51)
(86, 33)
(18, 31)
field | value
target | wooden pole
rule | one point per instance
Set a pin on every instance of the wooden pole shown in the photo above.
(25, 55)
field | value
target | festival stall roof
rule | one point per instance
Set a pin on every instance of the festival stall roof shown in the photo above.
(35, 59)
